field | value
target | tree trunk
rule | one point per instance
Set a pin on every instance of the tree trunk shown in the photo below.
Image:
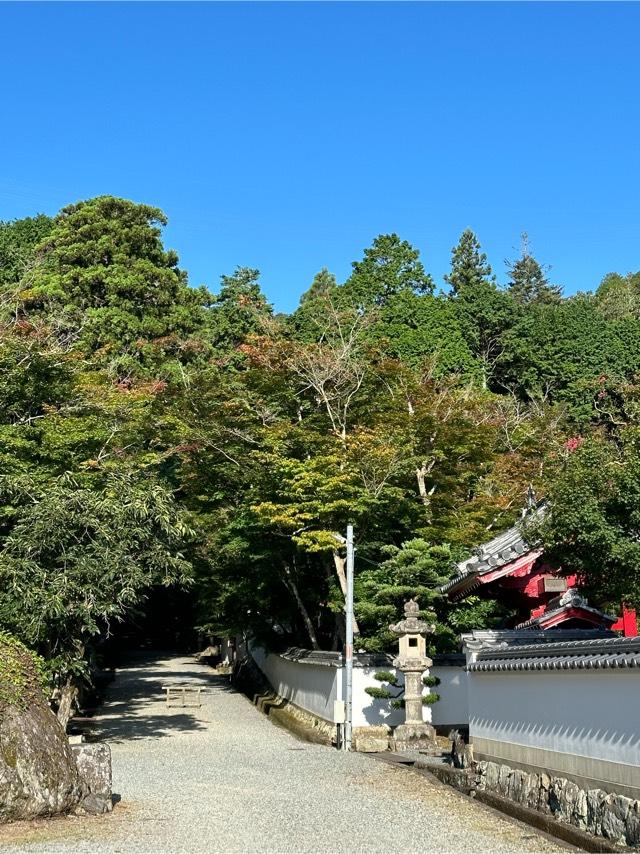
(293, 588)
(68, 694)
(340, 563)
(421, 475)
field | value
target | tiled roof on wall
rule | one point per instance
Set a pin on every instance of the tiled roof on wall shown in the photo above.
(600, 654)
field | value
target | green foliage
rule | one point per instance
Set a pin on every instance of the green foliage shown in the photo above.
(378, 693)
(559, 352)
(594, 527)
(306, 323)
(414, 328)
(75, 556)
(417, 569)
(430, 681)
(618, 297)
(237, 311)
(430, 699)
(470, 270)
(527, 280)
(18, 242)
(385, 676)
(102, 274)
(484, 313)
(151, 433)
(391, 266)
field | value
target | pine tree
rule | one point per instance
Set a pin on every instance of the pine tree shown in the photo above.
(470, 269)
(322, 285)
(390, 266)
(238, 310)
(527, 280)
(483, 311)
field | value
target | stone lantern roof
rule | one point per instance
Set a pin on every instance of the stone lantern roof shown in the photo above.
(412, 624)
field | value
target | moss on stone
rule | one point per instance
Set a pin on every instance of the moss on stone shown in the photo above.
(21, 673)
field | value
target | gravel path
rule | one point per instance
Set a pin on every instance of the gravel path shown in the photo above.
(223, 778)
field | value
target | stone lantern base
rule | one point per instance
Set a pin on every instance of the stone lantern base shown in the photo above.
(413, 736)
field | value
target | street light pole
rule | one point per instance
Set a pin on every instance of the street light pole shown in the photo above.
(348, 649)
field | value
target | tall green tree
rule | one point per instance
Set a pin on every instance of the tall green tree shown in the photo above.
(558, 352)
(618, 297)
(238, 311)
(483, 311)
(308, 320)
(470, 270)
(528, 282)
(323, 284)
(18, 240)
(103, 277)
(390, 266)
(593, 528)
(417, 570)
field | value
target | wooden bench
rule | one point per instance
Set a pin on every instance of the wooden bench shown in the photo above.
(188, 696)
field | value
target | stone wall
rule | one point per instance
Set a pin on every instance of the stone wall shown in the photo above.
(611, 816)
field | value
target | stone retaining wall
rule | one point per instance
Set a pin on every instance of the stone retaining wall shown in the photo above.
(611, 816)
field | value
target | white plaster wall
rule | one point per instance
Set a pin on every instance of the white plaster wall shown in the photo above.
(593, 713)
(452, 709)
(313, 687)
(366, 710)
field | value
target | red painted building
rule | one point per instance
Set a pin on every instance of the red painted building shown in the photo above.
(508, 569)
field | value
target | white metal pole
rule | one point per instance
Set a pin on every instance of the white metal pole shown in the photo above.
(348, 652)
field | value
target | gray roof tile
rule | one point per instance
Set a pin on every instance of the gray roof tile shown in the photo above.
(599, 654)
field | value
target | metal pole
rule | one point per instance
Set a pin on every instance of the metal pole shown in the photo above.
(348, 652)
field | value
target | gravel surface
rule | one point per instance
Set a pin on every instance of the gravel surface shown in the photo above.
(223, 778)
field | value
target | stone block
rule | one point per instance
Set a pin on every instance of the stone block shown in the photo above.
(530, 794)
(490, 775)
(595, 809)
(614, 817)
(94, 768)
(503, 780)
(568, 792)
(516, 783)
(371, 739)
(408, 737)
(633, 824)
(580, 813)
(545, 793)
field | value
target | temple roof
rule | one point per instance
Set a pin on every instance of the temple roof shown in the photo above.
(570, 605)
(500, 551)
(606, 653)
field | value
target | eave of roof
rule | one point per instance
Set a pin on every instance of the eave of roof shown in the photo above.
(570, 611)
(467, 582)
(599, 654)
(504, 549)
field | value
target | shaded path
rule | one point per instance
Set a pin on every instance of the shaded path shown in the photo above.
(222, 778)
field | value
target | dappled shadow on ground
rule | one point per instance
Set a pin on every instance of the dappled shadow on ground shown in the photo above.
(129, 726)
(135, 705)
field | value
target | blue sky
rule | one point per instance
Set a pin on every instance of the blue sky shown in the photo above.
(286, 136)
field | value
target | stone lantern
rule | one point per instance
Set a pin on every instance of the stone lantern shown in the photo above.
(414, 733)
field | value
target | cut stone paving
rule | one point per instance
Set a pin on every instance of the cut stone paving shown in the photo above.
(223, 778)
